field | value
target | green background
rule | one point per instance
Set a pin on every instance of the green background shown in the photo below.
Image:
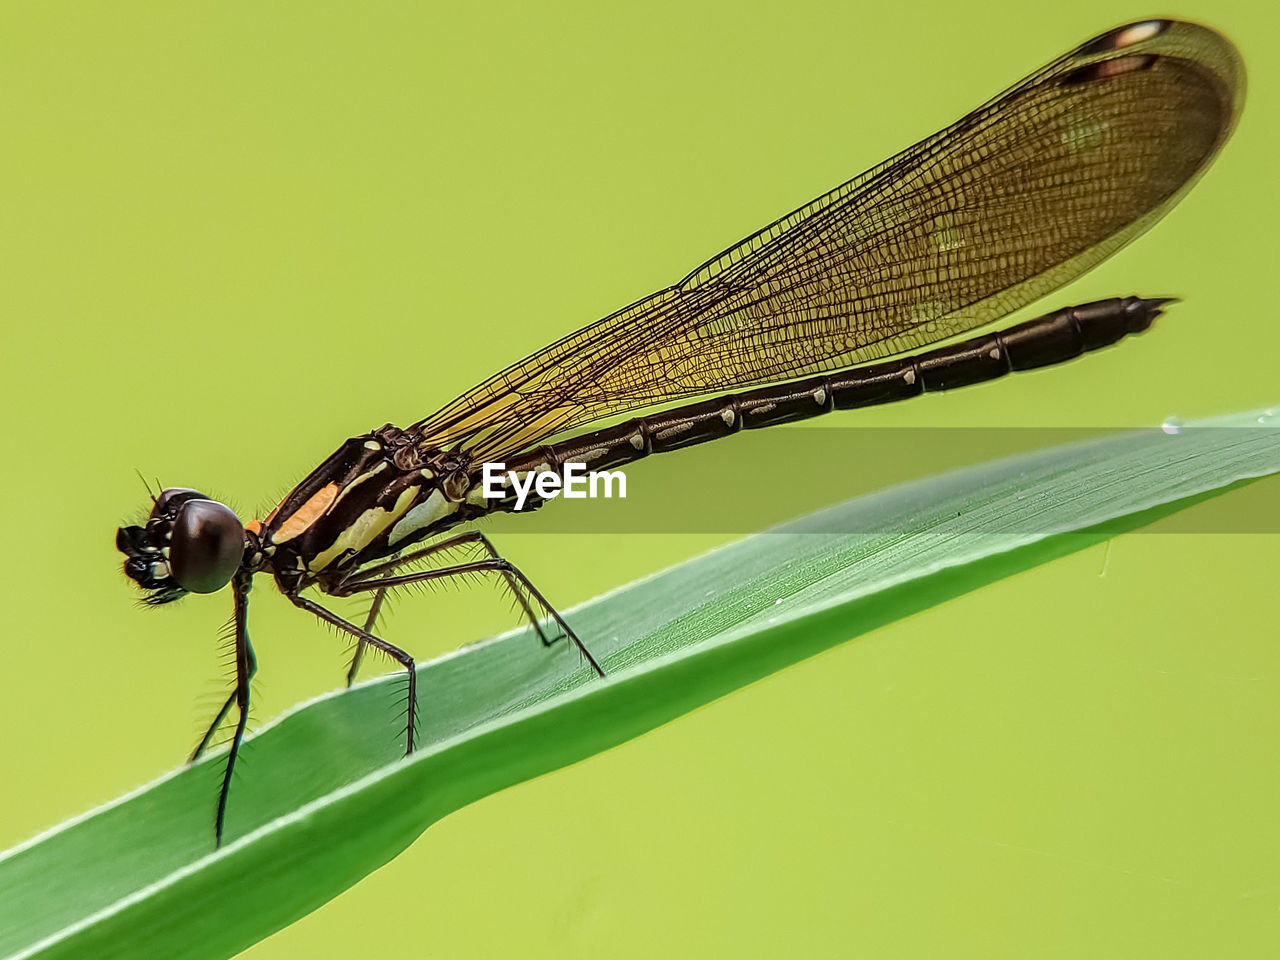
(234, 236)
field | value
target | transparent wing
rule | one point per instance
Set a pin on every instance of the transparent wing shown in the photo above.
(1013, 200)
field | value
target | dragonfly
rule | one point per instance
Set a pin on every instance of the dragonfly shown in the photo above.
(856, 298)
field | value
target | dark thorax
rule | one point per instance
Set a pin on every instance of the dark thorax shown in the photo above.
(377, 494)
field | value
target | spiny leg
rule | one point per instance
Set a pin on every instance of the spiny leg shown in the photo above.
(374, 609)
(370, 580)
(391, 650)
(515, 583)
(246, 663)
(226, 705)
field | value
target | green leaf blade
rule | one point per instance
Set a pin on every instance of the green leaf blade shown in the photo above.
(325, 798)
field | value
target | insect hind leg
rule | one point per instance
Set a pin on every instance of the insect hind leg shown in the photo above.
(383, 577)
(527, 597)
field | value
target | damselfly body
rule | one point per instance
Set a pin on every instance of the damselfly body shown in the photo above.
(813, 313)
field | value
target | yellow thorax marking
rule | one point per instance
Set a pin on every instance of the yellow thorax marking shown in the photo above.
(361, 531)
(435, 507)
(356, 482)
(307, 514)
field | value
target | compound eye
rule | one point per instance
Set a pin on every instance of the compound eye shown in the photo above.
(207, 546)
